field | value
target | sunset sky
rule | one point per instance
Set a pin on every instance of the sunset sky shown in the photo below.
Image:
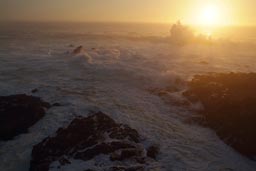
(238, 12)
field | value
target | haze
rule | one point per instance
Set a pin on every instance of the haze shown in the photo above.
(237, 12)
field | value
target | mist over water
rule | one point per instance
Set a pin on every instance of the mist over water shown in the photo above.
(118, 67)
(237, 33)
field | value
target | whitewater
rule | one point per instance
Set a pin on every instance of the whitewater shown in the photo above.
(115, 74)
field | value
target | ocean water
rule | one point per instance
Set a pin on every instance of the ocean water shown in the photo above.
(119, 65)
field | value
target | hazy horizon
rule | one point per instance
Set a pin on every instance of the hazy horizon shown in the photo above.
(237, 12)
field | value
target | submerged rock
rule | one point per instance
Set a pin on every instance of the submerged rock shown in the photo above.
(229, 101)
(87, 138)
(18, 113)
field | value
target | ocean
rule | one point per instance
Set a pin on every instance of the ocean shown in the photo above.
(119, 66)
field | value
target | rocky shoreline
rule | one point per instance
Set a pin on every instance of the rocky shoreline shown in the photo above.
(84, 139)
(229, 107)
(18, 113)
(87, 138)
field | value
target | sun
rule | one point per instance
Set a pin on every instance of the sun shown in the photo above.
(210, 15)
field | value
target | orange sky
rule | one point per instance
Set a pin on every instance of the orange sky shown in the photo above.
(232, 12)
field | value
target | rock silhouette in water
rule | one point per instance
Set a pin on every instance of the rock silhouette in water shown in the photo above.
(18, 113)
(77, 50)
(229, 101)
(34, 90)
(181, 34)
(86, 138)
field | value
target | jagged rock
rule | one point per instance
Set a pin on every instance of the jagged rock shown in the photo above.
(34, 90)
(152, 151)
(229, 101)
(77, 50)
(86, 138)
(18, 113)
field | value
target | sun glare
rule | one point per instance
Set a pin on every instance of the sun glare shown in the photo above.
(210, 15)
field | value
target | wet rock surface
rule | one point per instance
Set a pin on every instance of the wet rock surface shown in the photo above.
(229, 102)
(88, 138)
(18, 113)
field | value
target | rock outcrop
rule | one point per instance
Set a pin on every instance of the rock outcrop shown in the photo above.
(77, 50)
(18, 113)
(88, 138)
(229, 102)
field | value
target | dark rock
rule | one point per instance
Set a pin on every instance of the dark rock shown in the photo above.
(132, 168)
(169, 95)
(56, 104)
(229, 101)
(64, 161)
(34, 90)
(18, 113)
(77, 50)
(126, 154)
(86, 138)
(152, 151)
(103, 148)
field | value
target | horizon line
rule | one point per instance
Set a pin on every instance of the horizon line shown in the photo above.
(121, 22)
